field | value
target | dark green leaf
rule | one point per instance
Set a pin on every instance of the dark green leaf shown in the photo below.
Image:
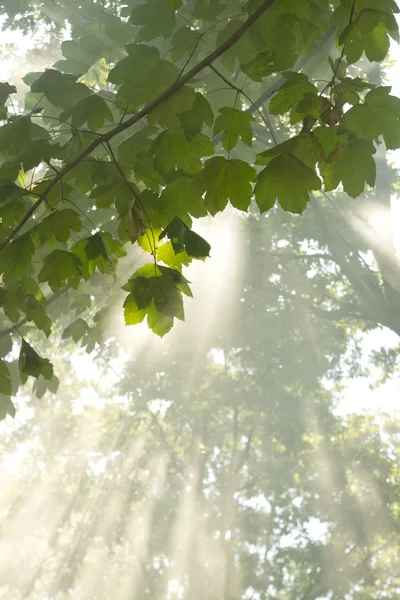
(30, 363)
(59, 225)
(5, 381)
(6, 407)
(287, 179)
(92, 110)
(61, 268)
(183, 239)
(5, 90)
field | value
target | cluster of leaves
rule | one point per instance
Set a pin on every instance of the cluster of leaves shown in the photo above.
(143, 148)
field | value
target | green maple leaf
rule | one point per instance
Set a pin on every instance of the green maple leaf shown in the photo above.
(350, 88)
(388, 6)
(354, 167)
(384, 109)
(291, 93)
(199, 115)
(6, 407)
(76, 330)
(145, 172)
(287, 179)
(96, 248)
(210, 11)
(167, 113)
(77, 144)
(61, 267)
(35, 311)
(60, 89)
(234, 124)
(180, 282)
(14, 135)
(140, 60)
(78, 60)
(12, 210)
(304, 147)
(59, 225)
(184, 239)
(10, 192)
(173, 150)
(259, 67)
(158, 322)
(6, 345)
(155, 81)
(184, 42)
(115, 190)
(172, 5)
(166, 254)
(60, 191)
(155, 291)
(30, 363)
(5, 380)
(99, 251)
(132, 313)
(241, 50)
(130, 148)
(11, 302)
(360, 121)
(329, 139)
(5, 90)
(16, 259)
(180, 199)
(222, 180)
(156, 19)
(158, 288)
(141, 75)
(370, 34)
(92, 110)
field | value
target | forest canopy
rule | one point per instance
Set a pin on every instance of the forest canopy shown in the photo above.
(163, 112)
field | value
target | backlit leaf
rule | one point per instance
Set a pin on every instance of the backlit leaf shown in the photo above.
(287, 179)
(354, 167)
(222, 180)
(234, 124)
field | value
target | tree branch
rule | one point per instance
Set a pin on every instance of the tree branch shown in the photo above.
(52, 299)
(102, 139)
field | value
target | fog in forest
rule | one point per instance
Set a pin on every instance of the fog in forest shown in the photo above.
(251, 453)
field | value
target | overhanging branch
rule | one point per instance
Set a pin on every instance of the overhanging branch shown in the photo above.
(103, 139)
